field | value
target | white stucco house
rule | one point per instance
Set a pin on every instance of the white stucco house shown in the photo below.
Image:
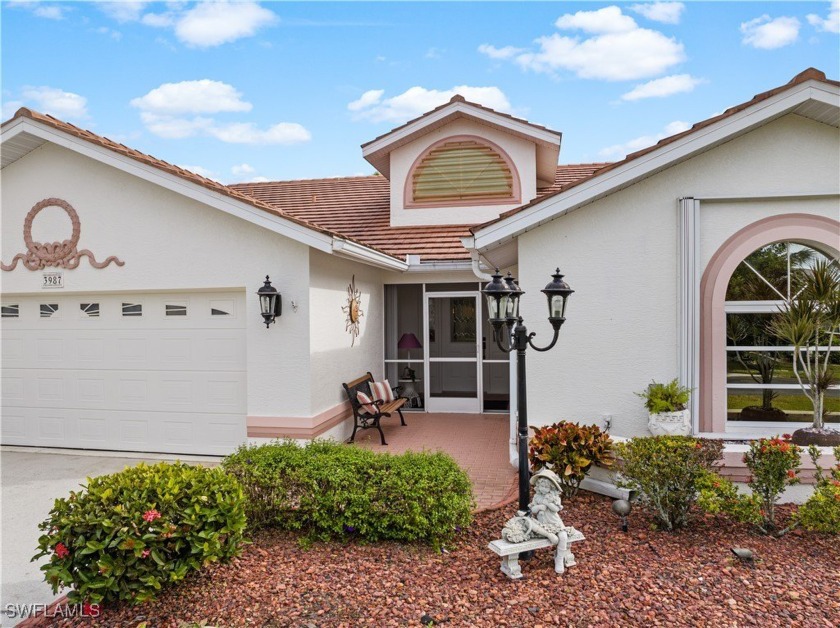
(139, 329)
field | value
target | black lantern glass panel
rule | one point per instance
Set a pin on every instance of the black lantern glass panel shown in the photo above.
(557, 292)
(270, 302)
(513, 300)
(497, 293)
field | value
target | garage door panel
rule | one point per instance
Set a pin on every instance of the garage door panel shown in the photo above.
(150, 383)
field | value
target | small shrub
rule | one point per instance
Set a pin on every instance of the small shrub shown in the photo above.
(330, 491)
(670, 397)
(821, 513)
(570, 450)
(128, 534)
(774, 464)
(666, 472)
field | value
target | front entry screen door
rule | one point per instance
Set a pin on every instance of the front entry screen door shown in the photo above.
(452, 337)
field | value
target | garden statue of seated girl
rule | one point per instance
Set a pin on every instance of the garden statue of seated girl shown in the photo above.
(544, 520)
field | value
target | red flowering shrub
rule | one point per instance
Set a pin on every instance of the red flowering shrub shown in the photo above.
(774, 464)
(151, 515)
(129, 533)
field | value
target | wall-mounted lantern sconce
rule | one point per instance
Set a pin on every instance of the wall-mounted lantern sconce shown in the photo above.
(270, 302)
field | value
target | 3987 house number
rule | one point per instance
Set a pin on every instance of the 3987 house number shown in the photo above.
(52, 280)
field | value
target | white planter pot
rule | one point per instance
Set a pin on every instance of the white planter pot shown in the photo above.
(670, 423)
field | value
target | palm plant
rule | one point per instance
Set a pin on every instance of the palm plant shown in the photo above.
(763, 276)
(809, 322)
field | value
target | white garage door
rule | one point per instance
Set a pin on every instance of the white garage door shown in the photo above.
(145, 372)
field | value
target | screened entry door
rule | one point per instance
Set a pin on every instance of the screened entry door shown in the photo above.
(453, 334)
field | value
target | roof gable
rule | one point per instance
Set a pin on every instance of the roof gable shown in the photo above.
(378, 150)
(809, 94)
(27, 130)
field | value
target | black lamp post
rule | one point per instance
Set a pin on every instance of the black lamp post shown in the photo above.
(503, 312)
(270, 302)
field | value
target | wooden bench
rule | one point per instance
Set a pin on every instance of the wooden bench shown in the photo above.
(362, 419)
(510, 552)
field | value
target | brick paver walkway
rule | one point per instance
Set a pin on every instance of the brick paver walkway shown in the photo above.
(477, 442)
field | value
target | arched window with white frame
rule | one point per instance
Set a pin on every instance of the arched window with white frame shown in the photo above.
(761, 387)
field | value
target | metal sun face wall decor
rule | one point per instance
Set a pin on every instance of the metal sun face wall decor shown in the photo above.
(353, 311)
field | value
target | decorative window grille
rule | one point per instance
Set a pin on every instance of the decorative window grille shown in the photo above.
(460, 171)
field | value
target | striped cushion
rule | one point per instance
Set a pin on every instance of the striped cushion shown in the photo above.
(382, 390)
(366, 403)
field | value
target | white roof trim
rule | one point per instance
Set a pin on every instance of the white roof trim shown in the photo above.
(523, 128)
(346, 248)
(241, 209)
(654, 161)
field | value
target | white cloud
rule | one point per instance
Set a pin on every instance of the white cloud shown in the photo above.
(174, 111)
(57, 102)
(418, 100)
(258, 180)
(665, 86)
(619, 151)
(767, 34)
(665, 12)
(370, 97)
(109, 32)
(158, 20)
(434, 53)
(499, 53)
(174, 128)
(248, 133)
(48, 11)
(830, 24)
(614, 48)
(204, 96)
(214, 23)
(9, 108)
(241, 169)
(123, 11)
(606, 20)
(199, 170)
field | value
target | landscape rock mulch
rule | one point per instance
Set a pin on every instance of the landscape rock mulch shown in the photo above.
(640, 578)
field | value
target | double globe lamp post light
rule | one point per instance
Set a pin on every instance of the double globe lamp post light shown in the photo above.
(511, 335)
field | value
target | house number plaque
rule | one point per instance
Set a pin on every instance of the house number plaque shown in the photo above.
(52, 280)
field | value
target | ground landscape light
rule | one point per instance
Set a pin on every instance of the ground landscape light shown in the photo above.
(622, 508)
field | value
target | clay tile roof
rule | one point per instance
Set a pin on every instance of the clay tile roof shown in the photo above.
(210, 184)
(806, 75)
(360, 208)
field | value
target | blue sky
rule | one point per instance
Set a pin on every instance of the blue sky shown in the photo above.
(244, 91)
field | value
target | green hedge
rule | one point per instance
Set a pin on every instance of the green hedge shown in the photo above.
(127, 534)
(330, 491)
(667, 473)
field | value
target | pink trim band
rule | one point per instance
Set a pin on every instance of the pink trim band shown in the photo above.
(298, 427)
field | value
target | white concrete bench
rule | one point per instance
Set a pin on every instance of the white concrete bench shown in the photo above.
(510, 552)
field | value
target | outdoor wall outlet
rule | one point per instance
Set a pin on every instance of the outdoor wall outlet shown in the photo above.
(607, 418)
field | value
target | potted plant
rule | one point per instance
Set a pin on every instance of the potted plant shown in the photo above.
(668, 408)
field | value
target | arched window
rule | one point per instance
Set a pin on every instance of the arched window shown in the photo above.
(760, 382)
(462, 171)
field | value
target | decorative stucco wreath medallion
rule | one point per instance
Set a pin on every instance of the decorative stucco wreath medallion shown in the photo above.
(353, 310)
(60, 254)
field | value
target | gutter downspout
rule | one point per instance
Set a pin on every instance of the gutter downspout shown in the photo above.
(513, 452)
